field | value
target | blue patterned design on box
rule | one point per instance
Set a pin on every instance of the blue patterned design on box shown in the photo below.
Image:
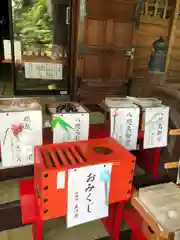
(105, 176)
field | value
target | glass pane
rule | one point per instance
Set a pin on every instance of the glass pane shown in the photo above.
(42, 28)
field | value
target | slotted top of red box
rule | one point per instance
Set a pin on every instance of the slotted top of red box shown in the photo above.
(76, 154)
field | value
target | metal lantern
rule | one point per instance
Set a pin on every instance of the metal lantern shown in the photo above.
(157, 59)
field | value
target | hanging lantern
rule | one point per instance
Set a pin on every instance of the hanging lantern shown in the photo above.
(157, 60)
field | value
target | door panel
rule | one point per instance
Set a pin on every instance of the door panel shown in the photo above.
(122, 34)
(90, 66)
(105, 9)
(98, 29)
(117, 68)
(106, 32)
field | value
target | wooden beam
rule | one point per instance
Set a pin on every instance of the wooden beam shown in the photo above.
(174, 132)
(171, 165)
(172, 34)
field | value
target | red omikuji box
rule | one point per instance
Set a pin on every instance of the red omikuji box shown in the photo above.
(54, 158)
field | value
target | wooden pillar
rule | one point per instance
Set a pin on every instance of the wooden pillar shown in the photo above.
(172, 33)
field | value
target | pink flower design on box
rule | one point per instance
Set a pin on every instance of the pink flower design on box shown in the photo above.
(17, 129)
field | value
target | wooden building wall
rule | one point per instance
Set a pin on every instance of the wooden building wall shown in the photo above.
(173, 74)
(173, 59)
(159, 18)
(155, 21)
(147, 34)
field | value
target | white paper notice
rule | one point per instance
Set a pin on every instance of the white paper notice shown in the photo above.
(61, 176)
(7, 50)
(124, 126)
(156, 127)
(88, 194)
(36, 70)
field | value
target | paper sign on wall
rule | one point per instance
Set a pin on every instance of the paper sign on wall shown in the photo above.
(7, 50)
(124, 126)
(156, 127)
(88, 193)
(53, 71)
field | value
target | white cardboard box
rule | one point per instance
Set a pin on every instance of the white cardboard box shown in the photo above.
(112, 102)
(124, 125)
(156, 124)
(154, 121)
(21, 130)
(145, 102)
(78, 123)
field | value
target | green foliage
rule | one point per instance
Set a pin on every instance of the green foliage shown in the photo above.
(32, 24)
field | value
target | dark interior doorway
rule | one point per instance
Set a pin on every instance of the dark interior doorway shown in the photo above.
(5, 68)
(4, 26)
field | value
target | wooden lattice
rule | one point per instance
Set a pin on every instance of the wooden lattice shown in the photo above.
(159, 8)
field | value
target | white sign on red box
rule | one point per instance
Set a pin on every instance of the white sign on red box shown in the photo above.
(88, 194)
(53, 71)
(61, 176)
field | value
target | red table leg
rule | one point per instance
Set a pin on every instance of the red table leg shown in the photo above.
(98, 131)
(38, 230)
(113, 222)
(29, 208)
(134, 221)
(149, 159)
(135, 236)
(157, 154)
(118, 220)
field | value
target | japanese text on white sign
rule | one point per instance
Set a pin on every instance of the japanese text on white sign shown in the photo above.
(156, 127)
(87, 194)
(124, 126)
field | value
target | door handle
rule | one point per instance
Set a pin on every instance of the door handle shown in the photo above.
(2, 21)
(130, 53)
(68, 15)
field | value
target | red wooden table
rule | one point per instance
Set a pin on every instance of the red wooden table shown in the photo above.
(30, 210)
(29, 206)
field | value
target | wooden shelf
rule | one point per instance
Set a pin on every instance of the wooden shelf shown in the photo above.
(42, 59)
